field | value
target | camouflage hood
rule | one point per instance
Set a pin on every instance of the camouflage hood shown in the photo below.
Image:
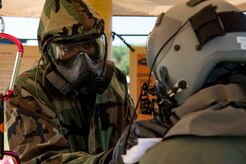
(67, 20)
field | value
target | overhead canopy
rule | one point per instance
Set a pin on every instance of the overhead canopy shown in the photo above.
(32, 8)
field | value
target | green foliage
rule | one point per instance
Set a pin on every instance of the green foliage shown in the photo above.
(121, 56)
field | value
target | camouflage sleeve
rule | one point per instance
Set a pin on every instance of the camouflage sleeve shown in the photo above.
(129, 104)
(34, 134)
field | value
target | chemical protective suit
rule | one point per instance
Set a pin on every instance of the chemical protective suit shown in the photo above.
(73, 106)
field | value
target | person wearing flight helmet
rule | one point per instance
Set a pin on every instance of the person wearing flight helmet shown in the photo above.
(73, 106)
(197, 55)
(200, 64)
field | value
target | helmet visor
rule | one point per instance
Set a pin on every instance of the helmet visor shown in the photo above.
(66, 53)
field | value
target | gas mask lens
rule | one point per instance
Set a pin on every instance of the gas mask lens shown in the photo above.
(66, 53)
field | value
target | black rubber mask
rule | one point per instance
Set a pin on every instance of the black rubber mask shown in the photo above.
(82, 64)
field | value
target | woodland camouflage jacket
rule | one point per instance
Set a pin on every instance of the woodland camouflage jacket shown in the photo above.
(46, 127)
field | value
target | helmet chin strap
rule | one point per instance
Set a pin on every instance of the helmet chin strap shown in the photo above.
(65, 88)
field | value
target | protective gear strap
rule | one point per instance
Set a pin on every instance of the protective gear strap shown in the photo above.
(208, 24)
(61, 84)
(233, 21)
(105, 79)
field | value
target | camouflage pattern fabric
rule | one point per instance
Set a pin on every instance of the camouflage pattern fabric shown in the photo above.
(67, 20)
(64, 130)
(46, 127)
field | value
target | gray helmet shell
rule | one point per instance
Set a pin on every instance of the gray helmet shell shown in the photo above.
(175, 48)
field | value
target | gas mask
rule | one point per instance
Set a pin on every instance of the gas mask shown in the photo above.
(80, 66)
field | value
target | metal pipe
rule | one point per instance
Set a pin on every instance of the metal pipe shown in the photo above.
(16, 64)
(15, 70)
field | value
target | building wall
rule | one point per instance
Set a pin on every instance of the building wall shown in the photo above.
(7, 58)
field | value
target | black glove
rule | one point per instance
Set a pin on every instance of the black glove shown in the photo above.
(139, 129)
